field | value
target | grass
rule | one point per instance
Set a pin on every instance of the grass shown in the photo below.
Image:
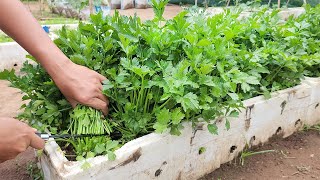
(246, 154)
(5, 38)
(34, 172)
(315, 127)
(58, 21)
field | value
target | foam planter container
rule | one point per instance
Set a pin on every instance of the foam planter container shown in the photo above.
(11, 55)
(196, 152)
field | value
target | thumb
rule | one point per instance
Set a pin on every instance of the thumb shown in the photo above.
(36, 142)
(72, 102)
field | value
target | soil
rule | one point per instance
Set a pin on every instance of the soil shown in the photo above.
(9, 107)
(39, 11)
(17, 169)
(296, 157)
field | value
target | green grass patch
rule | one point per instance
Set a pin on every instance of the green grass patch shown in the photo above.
(59, 21)
(5, 38)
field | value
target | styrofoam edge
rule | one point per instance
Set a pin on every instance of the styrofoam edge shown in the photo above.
(11, 55)
(128, 149)
(59, 161)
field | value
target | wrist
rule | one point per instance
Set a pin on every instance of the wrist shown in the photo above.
(55, 63)
(58, 68)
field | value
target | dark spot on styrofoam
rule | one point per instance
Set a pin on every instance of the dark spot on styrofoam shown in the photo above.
(199, 126)
(164, 163)
(247, 123)
(283, 105)
(219, 120)
(132, 158)
(316, 105)
(158, 172)
(298, 123)
(278, 131)
(251, 107)
(15, 64)
(233, 148)
(179, 176)
(248, 116)
(252, 139)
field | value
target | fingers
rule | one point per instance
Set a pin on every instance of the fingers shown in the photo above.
(99, 104)
(73, 102)
(103, 98)
(101, 78)
(36, 142)
(100, 87)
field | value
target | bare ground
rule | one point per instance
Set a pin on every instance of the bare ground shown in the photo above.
(10, 102)
(296, 157)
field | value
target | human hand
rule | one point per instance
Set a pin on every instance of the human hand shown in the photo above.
(16, 137)
(81, 85)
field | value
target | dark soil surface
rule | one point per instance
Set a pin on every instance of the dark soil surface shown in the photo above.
(10, 102)
(17, 169)
(295, 157)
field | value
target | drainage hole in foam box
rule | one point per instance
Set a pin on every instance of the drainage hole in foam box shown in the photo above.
(233, 148)
(157, 173)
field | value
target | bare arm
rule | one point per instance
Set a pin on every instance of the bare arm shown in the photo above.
(77, 83)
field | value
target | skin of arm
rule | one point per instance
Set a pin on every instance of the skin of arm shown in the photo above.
(78, 84)
(16, 137)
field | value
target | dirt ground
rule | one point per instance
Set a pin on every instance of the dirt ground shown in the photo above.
(295, 157)
(39, 10)
(9, 107)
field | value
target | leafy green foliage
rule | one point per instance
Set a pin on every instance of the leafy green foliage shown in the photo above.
(86, 120)
(4, 38)
(187, 69)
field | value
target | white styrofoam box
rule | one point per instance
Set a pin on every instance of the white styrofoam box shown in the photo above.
(163, 156)
(313, 114)
(11, 55)
(295, 12)
(144, 154)
(259, 121)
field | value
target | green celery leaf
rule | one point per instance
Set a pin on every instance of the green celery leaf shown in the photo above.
(164, 116)
(234, 113)
(213, 129)
(111, 156)
(176, 116)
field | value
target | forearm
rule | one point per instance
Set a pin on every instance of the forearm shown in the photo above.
(78, 84)
(18, 22)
